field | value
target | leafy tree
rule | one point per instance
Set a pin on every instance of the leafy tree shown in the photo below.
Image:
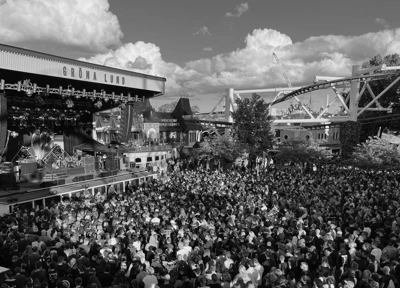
(376, 153)
(168, 107)
(220, 148)
(252, 125)
(390, 98)
(195, 109)
(301, 151)
(350, 137)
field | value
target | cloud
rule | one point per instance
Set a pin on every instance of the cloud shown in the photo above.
(382, 22)
(207, 49)
(240, 9)
(88, 24)
(253, 66)
(202, 31)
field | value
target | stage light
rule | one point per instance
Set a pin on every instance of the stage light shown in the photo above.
(69, 103)
(98, 104)
(2, 84)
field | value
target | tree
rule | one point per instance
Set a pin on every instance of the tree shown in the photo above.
(301, 151)
(252, 125)
(376, 153)
(390, 98)
(168, 107)
(220, 148)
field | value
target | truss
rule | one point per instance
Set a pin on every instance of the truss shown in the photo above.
(30, 89)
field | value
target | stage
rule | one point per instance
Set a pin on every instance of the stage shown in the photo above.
(30, 195)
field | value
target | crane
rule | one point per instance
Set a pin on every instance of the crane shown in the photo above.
(282, 70)
(290, 85)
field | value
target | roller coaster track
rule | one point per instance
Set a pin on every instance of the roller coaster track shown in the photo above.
(330, 84)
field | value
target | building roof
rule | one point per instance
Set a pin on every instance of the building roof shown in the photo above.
(54, 58)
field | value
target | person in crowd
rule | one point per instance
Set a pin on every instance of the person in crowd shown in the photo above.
(198, 227)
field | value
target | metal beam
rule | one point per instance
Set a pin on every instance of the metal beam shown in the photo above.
(321, 120)
(304, 108)
(369, 70)
(362, 90)
(342, 101)
(326, 78)
(379, 96)
(268, 90)
(390, 68)
(373, 96)
(378, 109)
(326, 108)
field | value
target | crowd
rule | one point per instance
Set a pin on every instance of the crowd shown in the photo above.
(329, 227)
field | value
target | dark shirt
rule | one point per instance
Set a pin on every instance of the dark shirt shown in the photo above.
(106, 279)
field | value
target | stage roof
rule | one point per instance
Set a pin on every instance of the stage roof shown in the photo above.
(37, 63)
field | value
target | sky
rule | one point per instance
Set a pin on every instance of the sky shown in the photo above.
(204, 47)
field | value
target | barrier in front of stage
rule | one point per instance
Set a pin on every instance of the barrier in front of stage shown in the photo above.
(119, 186)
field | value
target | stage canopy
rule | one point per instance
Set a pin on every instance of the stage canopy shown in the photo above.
(42, 93)
(93, 146)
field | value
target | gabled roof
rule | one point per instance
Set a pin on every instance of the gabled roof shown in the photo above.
(182, 108)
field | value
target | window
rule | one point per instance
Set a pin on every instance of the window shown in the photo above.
(149, 159)
(138, 160)
(157, 158)
(286, 137)
(192, 137)
(319, 136)
(325, 136)
(335, 136)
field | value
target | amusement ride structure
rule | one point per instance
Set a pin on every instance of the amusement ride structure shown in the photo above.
(348, 91)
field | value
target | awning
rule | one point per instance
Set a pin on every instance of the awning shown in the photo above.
(92, 146)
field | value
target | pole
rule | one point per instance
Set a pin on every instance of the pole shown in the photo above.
(354, 94)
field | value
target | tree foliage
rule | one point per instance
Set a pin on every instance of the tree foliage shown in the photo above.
(300, 151)
(376, 153)
(252, 124)
(350, 137)
(390, 98)
(221, 148)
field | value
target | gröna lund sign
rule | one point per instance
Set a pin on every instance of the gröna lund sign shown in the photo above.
(85, 74)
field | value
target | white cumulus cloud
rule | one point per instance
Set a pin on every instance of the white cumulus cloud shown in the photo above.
(240, 9)
(202, 31)
(382, 22)
(82, 23)
(207, 49)
(254, 66)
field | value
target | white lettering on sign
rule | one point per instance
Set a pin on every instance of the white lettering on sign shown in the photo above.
(91, 75)
(169, 122)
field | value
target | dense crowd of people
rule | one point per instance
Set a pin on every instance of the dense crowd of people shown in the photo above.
(196, 228)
